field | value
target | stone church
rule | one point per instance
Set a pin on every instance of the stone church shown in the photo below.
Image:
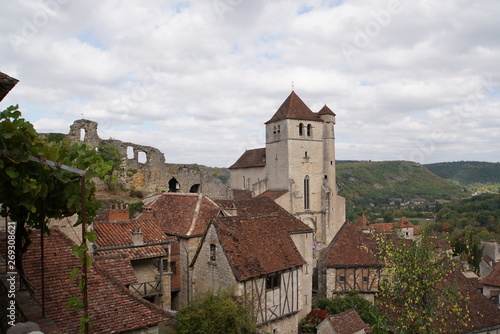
(296, 168)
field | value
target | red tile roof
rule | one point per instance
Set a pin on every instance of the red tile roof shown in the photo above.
(113, 307)
(253, 248)
(493, 278)
(263, 207)
(113, 237)
(239, 194)
(347, 322)
(362, 222)
(117, 266)
(251, 158)
(185, 215)
(349, 249)
(326, 111)
(273, 194)
(294, 108)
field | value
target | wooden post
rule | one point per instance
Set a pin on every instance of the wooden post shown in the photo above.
(84, 266)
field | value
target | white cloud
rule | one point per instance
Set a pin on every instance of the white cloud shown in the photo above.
(197, 79)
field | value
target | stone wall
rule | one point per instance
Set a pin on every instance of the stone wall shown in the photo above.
(143, 168)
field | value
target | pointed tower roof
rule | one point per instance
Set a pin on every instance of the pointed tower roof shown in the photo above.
(294, 108)
(362, 222)
(326, 111)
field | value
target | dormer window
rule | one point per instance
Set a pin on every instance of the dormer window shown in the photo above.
(301, 129)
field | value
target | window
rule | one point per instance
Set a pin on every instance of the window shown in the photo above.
(342, 279)
(301, 129)
(306, 193)
(173, 267)
(273, 281)
(365, 279)
(309, 130)
(213, 249)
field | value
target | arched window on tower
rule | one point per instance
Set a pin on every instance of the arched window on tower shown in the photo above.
(301, 129)
(306, 193)
(309, 130)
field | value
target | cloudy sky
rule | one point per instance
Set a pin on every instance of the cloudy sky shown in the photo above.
(408, 80)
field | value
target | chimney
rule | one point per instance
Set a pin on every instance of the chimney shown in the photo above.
(231, 210)
(147, 213)
(137, 236)
(118, 212)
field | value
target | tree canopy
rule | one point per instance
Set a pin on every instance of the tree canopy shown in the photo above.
(217, 313)
(32, 191)
(417, 290)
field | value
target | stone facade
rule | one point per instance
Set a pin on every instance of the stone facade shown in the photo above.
(299, 159)
(144, 167)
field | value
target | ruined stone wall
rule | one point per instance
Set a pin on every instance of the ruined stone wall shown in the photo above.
(143, 168)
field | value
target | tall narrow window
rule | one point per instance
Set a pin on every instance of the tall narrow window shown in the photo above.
(301, 129)
(306, 193)
(213, 253)
(309, 130)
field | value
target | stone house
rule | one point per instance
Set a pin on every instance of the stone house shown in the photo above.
(113, 307)
(186, 217)
(296, 167)
(257, 257)
(491, 285)
(491, 257)
(301, 234)
(404, 228)
(348, 322)
(138, 254)
(348, 263)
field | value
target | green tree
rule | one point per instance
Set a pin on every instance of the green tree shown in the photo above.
(216, 313)
(352, 300)
(417, 289)
(111, 154)
(32, 190)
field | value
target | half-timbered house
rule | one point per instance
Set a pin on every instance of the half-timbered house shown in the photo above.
(258, 258)
(348, 263)
(137, 252)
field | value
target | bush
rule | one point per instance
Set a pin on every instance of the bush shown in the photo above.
(312, 320)
(216, 313)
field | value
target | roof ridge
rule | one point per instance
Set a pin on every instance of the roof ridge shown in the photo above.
(196, 214)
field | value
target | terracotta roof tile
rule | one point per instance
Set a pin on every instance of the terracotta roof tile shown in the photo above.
(179, 214)
(294, 108)
(113, 307)
(239, 194)
(347, 322)
(251, 158)
(493, 278)
(114, 237)
(349, 249)
(362, 222)
(253, 248)
(266, 207)
(326, 111)
(273, 194)
(117, 266)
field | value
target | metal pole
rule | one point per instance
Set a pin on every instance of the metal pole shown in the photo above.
(84, 266)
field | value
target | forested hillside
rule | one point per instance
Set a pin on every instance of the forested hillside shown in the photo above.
(467, 172)
(365, 182)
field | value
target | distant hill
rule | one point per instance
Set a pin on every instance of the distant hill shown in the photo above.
(364, 182)
(467, 172)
